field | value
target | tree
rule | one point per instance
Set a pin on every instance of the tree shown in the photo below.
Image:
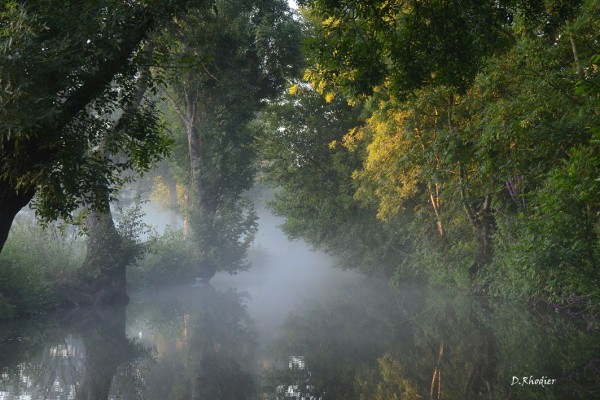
(239, 54)
(406, 44)
(63, 66)
(304, 158)
(410, 53)
(469, 107)
(109, 252)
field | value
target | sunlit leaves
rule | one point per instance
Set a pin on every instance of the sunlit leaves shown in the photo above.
(387, 174)
(304, 155)
(471, 110)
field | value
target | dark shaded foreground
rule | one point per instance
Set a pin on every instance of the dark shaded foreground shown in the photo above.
(360, 341)
(75, 355)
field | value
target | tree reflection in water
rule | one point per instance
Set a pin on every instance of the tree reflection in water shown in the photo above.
(371, 344)
(204, 341)
(365, 342)
(72, 357)
(194, 343)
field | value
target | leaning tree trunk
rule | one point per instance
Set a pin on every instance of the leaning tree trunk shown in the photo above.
(11, 202)
(106, 260)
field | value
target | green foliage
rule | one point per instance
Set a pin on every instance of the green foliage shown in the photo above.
(132, 231)
(55, 249)
(237, 55)
(34, 260)
(553, 253)
(390, 385)
(25, 290)
(220, 241)
(167, 261)
(473, 141)
(313, 171)
(241, 56)
(405, 44)
(52, 128)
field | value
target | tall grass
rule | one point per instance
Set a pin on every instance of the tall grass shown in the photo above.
(33, 260)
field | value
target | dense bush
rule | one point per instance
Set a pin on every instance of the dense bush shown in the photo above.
(552, 251)
(168, 260)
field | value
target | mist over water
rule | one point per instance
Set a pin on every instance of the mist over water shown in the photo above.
(283, 275)
(293, 326)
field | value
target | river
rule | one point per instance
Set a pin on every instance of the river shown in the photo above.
(295, 327)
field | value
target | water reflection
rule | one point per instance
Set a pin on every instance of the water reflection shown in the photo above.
(367, 343)
(361, 341)
(72, 357)
(189, 343)
(204, 341)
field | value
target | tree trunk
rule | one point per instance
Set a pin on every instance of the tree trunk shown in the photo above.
(192, 119)
(578, 68)
(201, 206)
(484, 228)
(105, 260)
(173, 201)
(11, 203)
(483, 223)
(194, 148)
(435, 203)
(105, 257)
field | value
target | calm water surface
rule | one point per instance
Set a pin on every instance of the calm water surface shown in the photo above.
(293, 327)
